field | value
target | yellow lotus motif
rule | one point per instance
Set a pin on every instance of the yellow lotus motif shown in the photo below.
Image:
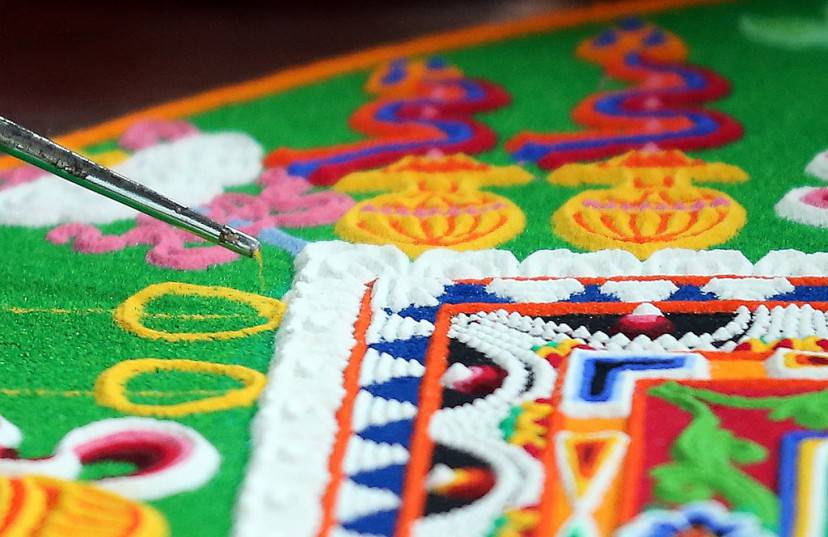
(653, 203)
(436, 202)
(39, 506)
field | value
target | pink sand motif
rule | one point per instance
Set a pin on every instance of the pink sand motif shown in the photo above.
(283, 202)
(13, 177)
(695, 206)
(817, 197)
(148, 132)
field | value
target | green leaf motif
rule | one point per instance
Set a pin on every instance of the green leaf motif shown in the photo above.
(706, 459)
(809, 410)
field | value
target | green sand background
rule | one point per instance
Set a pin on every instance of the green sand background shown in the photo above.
(781, 98)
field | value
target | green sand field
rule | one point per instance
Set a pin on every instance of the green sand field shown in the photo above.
(778, 95)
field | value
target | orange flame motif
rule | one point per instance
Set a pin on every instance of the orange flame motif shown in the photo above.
(653, 203)
(39, 506)
(435, 203)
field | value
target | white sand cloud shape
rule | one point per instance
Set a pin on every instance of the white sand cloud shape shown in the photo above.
(191, 171)
(818, 167)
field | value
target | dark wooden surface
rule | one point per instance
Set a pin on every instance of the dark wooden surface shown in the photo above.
(67, 65)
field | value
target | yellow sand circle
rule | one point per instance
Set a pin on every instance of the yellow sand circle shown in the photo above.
(111, 387)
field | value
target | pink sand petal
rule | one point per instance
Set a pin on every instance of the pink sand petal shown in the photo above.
(148, 132)
(818, 197)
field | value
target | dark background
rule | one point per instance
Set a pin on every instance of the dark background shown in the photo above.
(68, 65)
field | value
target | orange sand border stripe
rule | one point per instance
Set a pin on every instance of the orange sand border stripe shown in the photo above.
(559, 308)
(422, 446)
(551, 503)
(324, 69)
(345, 414)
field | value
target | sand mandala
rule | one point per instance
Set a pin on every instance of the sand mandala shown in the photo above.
(563, 276)
(481, 396)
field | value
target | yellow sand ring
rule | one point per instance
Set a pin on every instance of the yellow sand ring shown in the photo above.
(110, 388)
(128, 314)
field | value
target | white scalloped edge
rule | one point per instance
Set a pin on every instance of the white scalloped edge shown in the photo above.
(362, 262)
(294, 430)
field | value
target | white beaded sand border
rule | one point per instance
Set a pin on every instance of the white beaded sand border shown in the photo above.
(294, 430)
(364, 262)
